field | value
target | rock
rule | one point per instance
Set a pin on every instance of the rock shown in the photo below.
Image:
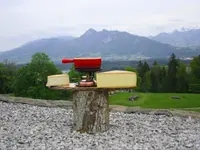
(189, 145)
(163, 112)
(133, 98)
(142, 111)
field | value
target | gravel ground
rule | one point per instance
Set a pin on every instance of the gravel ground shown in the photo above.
(31, 127)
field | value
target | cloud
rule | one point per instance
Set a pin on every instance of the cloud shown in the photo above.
(45, 18)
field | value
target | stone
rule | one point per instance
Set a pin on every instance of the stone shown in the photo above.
(163, 112)
(133, 98)
(189, 145)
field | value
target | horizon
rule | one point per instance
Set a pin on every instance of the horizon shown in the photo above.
(24, 21)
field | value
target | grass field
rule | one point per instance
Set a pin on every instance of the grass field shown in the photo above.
(157, 100)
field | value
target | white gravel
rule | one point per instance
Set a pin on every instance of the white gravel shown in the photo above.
(31, 127)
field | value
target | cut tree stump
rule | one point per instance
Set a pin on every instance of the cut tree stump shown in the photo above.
(90, 108)
(90, 111)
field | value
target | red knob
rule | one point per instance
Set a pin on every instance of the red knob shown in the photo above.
(67, 60)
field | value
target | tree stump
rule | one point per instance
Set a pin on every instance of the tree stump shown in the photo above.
(90, 111)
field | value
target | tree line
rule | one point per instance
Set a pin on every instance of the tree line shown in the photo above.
(176, 76)
(30, 80)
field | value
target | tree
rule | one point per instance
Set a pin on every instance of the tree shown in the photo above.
(195, 67)
(195, 74)
(163, 79)
(22, 81)
(139, 68)
(41, 66)
(155, 77)
(3, 79)
(182, 82)
(163, 73)
(155, 63)
(172, 73)
(7, 75)
(31, 79)
(147, 81)
(145, 68)
(142, 68)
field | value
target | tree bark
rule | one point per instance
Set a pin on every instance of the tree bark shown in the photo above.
(90, 111)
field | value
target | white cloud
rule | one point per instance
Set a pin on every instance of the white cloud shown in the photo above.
(25, 20)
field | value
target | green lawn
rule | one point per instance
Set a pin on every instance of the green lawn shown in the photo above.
(156, 100)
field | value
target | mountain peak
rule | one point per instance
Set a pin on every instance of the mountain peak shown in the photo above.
(90, 31)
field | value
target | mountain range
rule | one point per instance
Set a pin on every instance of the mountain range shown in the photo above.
(185, 38)
(110, 45)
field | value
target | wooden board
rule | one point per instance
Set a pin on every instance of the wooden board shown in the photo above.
(73, 87)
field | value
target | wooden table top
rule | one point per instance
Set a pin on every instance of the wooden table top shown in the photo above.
(73, 87)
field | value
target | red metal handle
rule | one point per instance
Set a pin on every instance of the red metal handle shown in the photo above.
(67, 60)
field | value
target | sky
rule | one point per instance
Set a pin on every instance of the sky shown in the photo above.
(26, 20)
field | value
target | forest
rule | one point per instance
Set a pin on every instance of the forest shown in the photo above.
(174, 76)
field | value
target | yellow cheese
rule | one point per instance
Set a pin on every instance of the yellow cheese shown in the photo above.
(58, 80)
(116, 79)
